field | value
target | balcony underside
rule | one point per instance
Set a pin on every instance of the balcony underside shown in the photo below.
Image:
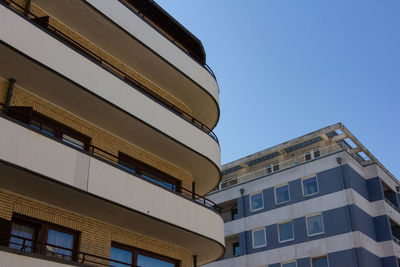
(141, 47)
(68, 178)
(158, 131)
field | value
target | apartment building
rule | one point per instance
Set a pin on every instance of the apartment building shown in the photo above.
(318, 200)
(106, 144)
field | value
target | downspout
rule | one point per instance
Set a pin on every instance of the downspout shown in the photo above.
(10, 90)
(339, 161)
(27, 7)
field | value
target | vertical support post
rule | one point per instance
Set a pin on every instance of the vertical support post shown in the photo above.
(194, 260)
(27, 7)
(9, 94)
(193, 190)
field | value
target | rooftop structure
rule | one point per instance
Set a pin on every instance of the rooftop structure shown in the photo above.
(106, 115)
(318, 200)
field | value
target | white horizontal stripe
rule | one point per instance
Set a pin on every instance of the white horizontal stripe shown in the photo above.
(307, 207)
(310, 249)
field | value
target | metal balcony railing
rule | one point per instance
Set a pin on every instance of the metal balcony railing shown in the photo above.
(109, 157)
(280, 167)
(42, 23)
(391, 204)
(53, 252)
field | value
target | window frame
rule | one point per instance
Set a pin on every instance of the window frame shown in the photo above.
(279, 186)
(138, 167)
(234, 245)
(136, 251)
(279, 231)
(42, 229)
(319, 257)
(265, 237)
(250, 202)
(286, 262)
(323, 226)
(306, 178)
(272, 166)
(312, 154)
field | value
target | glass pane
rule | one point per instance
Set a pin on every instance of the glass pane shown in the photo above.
(72, 141)
(310, 186)
(282, 193)
(157, 180)
(47, 130)
(285, 231)
(234, 214)
(259, 238)
(257, 201)
(26, 232)
(276, 167)
(290, 264)
(269, 168)
(320, 262)
(120, 255)
(307, 156)
(236, 249)
(63, 244)
(317, 153)
(145, 261)
(315, 224)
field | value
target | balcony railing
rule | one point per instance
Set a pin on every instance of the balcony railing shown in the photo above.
(283, 165)
(43, 23)
(108, 157)
(391, 205)
(396, 240)
(54, 252)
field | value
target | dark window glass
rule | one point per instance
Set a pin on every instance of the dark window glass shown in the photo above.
(118, 255)
(236, 249)
(146, 261)
(282, 193)
(317, 153)
(234, 214)
(320, 262)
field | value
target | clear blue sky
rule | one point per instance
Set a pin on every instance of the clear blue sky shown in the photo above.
(286, 68)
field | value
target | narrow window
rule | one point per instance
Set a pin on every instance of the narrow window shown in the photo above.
(234, 214)
(315, 225)
(310, 186)
(23, 235)
(60, 243)
(236, 249)
(259, 238)
(289, 264)
(320, 262)
(285, 231)
(282, 194)
(256, 201)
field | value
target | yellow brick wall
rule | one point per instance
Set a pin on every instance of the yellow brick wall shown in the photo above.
(107, 57)
(100, 138)
(96, 236)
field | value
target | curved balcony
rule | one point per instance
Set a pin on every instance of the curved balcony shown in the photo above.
(99, 190)
(49, 68)
(133, 41)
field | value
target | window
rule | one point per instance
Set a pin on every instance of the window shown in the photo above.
(149, 173)
(236, 249)
(256, 201)
(282, 194)
(31, 235)
(124, 256)
(312, 154)
(315, 225)
(259, 238)
(310, 186)
(234, 214)
(289, 264)
(285, 232)
(320, 262)
(50, 127)
(272, 167)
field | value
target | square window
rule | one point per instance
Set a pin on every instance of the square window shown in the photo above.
(312, 154)
(285, 231)
(272, 167)
(236, 249)
(289, 264)
(315, 225)
(259, 238)
(282, 194)
(256, 201)
(320, 262)
(310, 186)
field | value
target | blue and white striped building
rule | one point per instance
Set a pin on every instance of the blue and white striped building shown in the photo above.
(318, 200)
